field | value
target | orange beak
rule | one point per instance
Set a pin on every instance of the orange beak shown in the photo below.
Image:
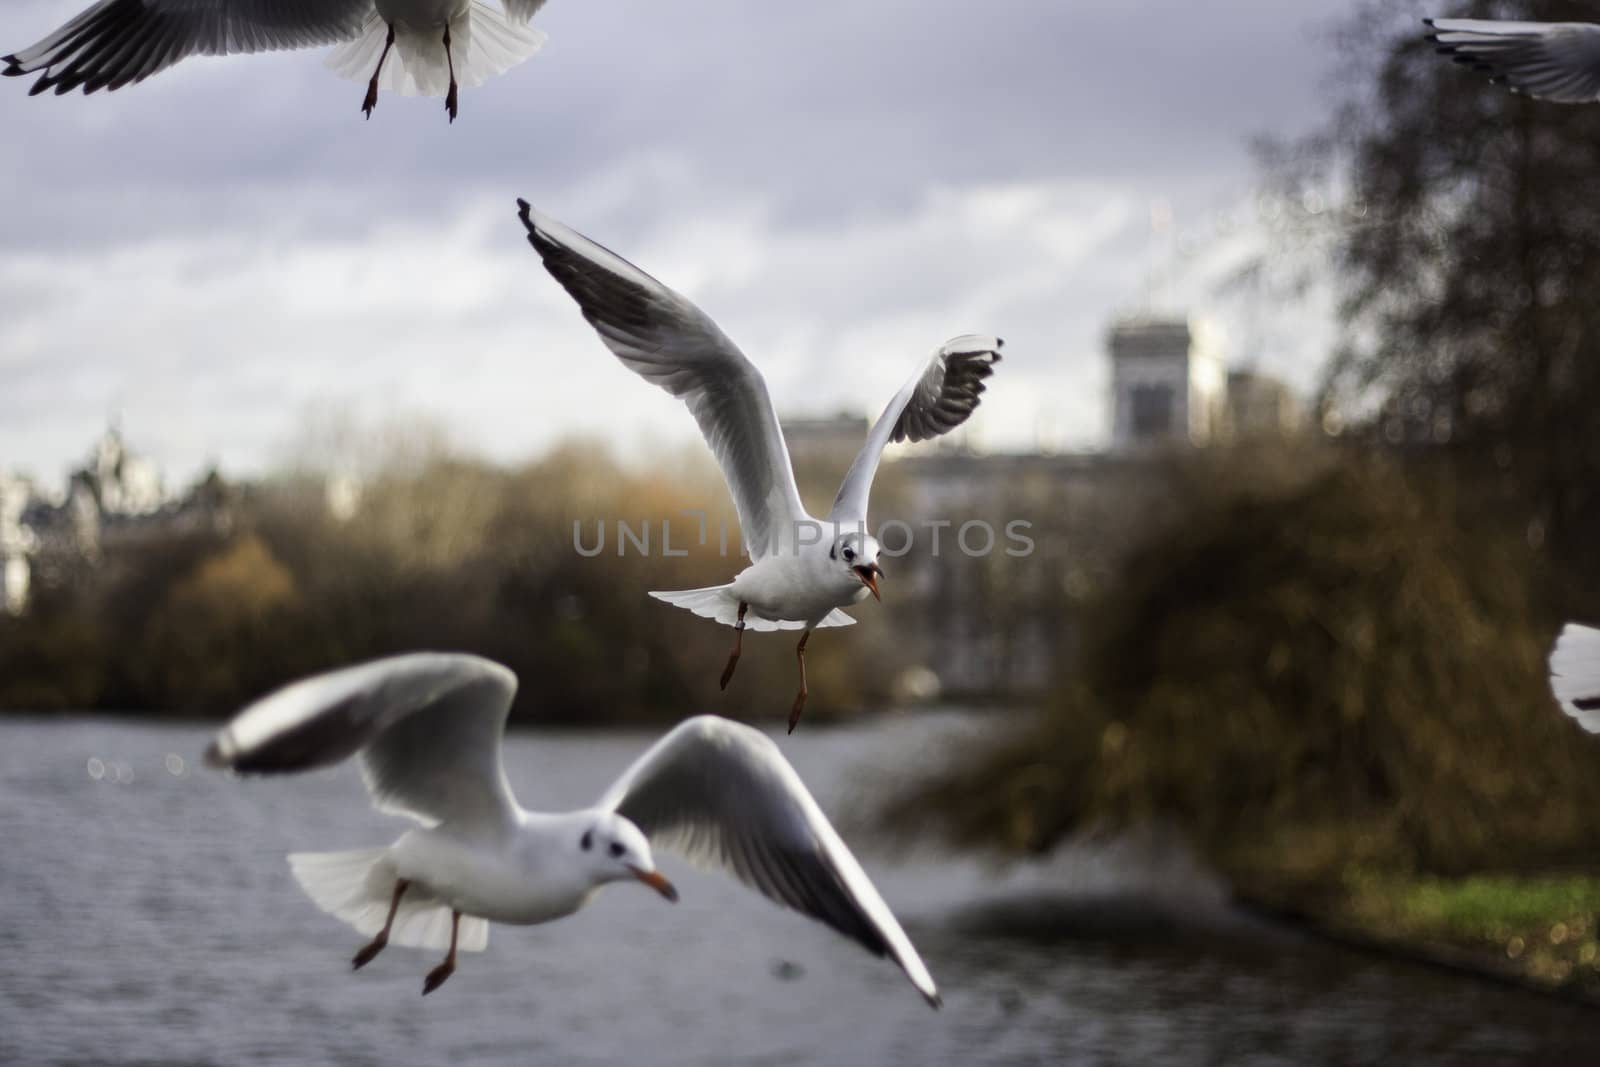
(869, 577)
(654, 880)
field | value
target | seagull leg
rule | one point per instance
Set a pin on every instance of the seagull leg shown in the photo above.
(738, 644)
(372, 86)
(800, 697)
(437, 976)
(450, 97)
(365, 956)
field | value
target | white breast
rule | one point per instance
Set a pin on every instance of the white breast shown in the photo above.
(512, 878)
(797, 588)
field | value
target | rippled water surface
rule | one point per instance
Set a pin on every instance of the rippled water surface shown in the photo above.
(147, 916)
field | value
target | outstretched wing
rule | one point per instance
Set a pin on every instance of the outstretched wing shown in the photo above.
(721, 794)
(1557, 61)
(120, 41)
(669, 342)
(1575, 674)
(942, 396)
(427, 726)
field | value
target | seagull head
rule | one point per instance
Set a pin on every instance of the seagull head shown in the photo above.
(858, 554)
(613, 849)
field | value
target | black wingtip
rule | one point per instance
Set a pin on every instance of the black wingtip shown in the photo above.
(537, 238)
(535, 235)
(214, 757)
(1427, 22)
(935, 1001)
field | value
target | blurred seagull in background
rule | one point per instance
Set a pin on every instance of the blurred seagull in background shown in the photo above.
(437, 45)
(427, 728)
(1575, 674)
(802, 570)
(1556, 61)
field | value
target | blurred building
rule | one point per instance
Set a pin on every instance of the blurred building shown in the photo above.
(122, 483)
(17, 543)
(116, 499)
(834, 436)
(1168, 383)
(1260, 405)
(994, 558)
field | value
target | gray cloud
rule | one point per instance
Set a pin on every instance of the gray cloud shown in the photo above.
(838, 182)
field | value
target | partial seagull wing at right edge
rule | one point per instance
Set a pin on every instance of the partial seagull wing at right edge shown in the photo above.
(669, 342)
(942, 396)
(1575, 674)
(1555, 61)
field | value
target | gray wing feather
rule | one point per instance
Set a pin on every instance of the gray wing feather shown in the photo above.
(116, 42)
(942, 396)
(670, 343)
(722, 795)
(427, 727)
(1556, 61)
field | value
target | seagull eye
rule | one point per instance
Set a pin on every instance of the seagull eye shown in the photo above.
(617, 849)
(849, 554)
(587, 841)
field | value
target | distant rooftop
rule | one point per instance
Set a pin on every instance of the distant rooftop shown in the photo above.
(817, 425)
(1159, 335)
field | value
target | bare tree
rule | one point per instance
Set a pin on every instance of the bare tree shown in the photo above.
(1465, 235)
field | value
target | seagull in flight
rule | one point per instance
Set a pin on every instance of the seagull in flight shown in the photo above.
(1575, 674)
(803, 570)
(1556, 61)
(427, 730)
(437, 45)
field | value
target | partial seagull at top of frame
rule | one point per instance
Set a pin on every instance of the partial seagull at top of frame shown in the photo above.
(427, 729)
(795, 581)
(412, 47)
(1555, 61)
(1575, 674)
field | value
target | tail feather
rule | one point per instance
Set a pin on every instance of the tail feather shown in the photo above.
(358, 886)
(718, 602)
(484, 42)
(1575, 674)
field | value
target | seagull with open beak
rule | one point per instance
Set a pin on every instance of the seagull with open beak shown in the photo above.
(802, 570)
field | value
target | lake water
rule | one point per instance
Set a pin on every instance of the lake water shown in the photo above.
(147, 916)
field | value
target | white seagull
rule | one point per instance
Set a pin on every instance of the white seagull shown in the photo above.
(803, 571)
(427, 728)
(1575, 674)
(1557, 61)
(437, 44)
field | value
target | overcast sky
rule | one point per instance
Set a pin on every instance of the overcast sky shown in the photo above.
(215, 254)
